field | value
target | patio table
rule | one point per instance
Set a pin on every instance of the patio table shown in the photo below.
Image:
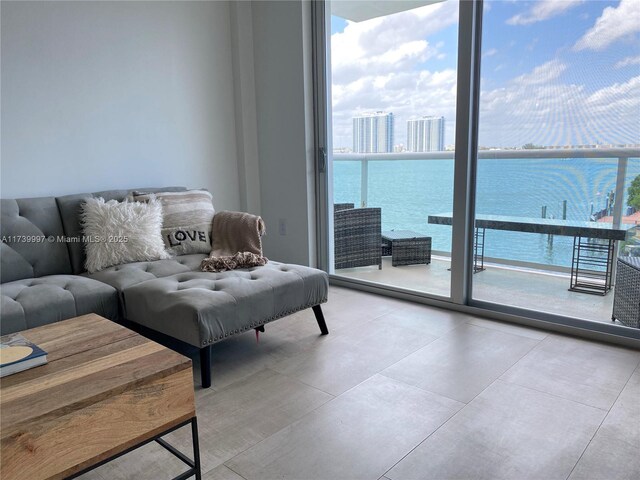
(589, 254)
(406, 247)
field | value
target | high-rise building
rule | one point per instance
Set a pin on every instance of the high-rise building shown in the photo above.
(373, 133)
(425, 134)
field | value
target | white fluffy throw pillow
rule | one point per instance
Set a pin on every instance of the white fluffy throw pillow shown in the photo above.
(117, 233)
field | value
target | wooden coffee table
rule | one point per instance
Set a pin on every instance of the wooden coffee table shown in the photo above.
(105, 391)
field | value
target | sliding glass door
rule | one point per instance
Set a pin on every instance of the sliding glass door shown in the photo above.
(559, 128)
(485, 154)
(393, 99)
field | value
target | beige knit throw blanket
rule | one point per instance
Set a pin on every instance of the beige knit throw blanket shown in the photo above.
(236, 242)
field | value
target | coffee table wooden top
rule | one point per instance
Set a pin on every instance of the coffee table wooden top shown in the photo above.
(105, 389)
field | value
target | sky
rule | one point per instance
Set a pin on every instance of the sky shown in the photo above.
(553, 72)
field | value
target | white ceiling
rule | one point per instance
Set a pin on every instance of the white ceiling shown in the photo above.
(360, 10)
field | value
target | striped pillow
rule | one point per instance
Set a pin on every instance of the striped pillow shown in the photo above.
(186, 219)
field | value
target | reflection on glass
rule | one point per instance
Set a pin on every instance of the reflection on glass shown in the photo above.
(559, 138)
(393, 83)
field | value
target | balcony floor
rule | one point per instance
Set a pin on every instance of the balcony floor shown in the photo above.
(524, 288)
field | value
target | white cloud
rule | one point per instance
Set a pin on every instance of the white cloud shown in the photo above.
(376, 65)
(543, 10)
(626, 62)
(387, 44)
(379, 65)
(542, 74)
(539, 108)
(490, 53)
(615, 23)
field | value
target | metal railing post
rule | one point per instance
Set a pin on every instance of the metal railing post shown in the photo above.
(619, 198)
(617, 209)
(364, 181)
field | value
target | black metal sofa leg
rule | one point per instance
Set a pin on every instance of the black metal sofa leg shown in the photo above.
(205, 366)
(317, 311)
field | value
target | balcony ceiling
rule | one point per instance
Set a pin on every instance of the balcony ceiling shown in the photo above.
(360, 10)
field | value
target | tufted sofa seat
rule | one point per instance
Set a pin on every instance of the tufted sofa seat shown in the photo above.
(202, 308)
(33, 302)
(127, 275)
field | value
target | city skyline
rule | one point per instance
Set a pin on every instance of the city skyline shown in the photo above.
(373, 132)
(553, 73)
(425, 134)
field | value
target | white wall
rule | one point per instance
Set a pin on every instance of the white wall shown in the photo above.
(100, 95)
(281, 51)
(245, 101)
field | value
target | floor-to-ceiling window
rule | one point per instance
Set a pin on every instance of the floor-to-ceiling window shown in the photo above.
(547, 199)
(559, 128)
(393, 96)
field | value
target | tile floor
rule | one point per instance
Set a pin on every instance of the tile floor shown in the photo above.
(403, 391)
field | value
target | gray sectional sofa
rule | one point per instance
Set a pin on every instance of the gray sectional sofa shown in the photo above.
(44, 281)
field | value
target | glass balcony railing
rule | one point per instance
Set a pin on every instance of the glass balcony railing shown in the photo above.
(572, 184)
(523, 269)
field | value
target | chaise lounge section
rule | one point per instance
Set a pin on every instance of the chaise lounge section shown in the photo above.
(211, 307)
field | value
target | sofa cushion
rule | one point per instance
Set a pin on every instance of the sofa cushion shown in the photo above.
(31, 230)
(33, 302)
(122, 276)
(186, 219)
(123, 232)
(201, 308)
(70, 207)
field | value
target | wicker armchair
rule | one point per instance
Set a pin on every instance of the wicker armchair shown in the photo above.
(626, 300)
(357, 237)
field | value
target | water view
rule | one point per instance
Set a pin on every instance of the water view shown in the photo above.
(408, 191)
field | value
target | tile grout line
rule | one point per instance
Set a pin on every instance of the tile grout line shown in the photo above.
(523, 356)
(335, 397)
(226, 466)
(286, 426)
(606, 410)
(558, 396)
(296, 379)
(479, 393)
(492, 383)
(378, 372)
(600, 425)
(459, 411)
(424, 439)
(587, 445)
(504, 332)
(424, 346)
(541, 391)
(424, 389)
(470, 322)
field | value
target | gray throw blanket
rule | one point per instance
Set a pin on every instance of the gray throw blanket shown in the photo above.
(236, 242)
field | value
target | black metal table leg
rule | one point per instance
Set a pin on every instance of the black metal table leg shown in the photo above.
(194, 465)
(592, 266)
(196, 448)
(478, 250)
